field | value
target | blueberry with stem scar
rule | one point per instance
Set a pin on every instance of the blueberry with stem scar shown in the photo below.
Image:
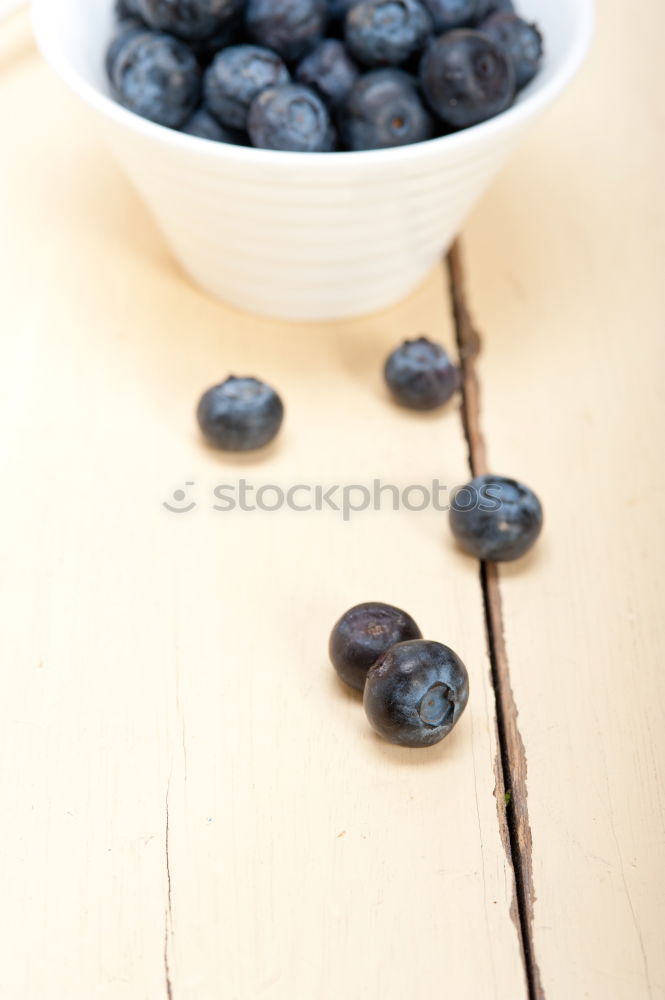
(416, 692)
(466, 78)
(384, 109)
(157, 77)
(386, 32)
(291, 117)
(521, 42)
(236, 76)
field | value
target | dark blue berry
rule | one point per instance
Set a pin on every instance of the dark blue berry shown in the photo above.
(363, 634)
(416, 692)
(420, 375)
(205, 126)
(330, 70)
(466, 78)
(290, 27)
(520, 41)
(124, 9)
(125, 29)
(486, 7)
(205, 49)
(449, 14)
(157, 77)
(236, 76)
(338, 9)
(241, 414)
(496, 519)
(193, 20)
(291, 117)
(384, 109)
(386, 32)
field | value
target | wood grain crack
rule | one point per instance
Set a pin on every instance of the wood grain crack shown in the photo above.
(511, 764)
(168, 914)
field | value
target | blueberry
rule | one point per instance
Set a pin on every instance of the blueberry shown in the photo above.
(466, 78)
(449, 14)
(125, 29)
(205, 126)
(124, 9)
(363, 634)
(386, 32)
(291, 117)
(193, 20)
(157, 77)
(205, 49)
(384, 109)
(236, 76)
(241, 414)
(496, 519)
(420, 375)
(338, 9)
(486, 7)
(520, 41)
(416, 692)
(291, 27)
(330, 70)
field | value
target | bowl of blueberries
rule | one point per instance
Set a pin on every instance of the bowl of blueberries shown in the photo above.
(312, 159)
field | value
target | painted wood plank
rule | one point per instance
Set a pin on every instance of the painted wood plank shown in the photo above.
(564, 266)
(197, 808)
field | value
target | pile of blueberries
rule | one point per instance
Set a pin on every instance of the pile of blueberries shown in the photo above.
(414, 689)
(320, 75)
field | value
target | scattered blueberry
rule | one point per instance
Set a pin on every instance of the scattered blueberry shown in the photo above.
(330, 70)
(363, 634)
(289, 27)
(384, 109)
(449, 14)
(158, 77)
(386, 32)
(193, 20)
(416, 692)
(236, 76)
(496, 519)
(420, 375)
(521, 42)
(205, 126)
(291, 117)
(466, 78)
(241, 414)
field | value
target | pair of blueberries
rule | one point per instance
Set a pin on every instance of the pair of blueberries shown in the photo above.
(414, 689)
(320, 75)
(243, 414)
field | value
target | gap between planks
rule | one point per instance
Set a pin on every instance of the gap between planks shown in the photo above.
(511, 766)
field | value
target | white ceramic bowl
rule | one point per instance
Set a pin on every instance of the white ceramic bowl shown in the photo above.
(305, 235)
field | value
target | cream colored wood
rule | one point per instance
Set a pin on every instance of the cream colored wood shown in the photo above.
(565, 273)
(192, 806)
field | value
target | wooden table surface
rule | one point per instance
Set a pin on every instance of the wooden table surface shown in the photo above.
(192, 807)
